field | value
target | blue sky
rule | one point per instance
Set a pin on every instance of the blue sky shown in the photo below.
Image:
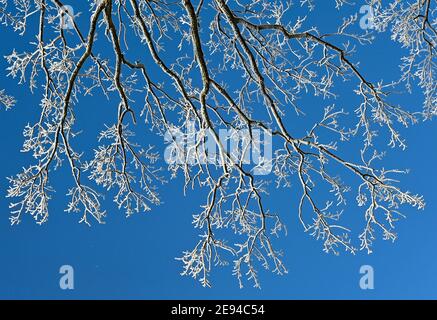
(135, 258)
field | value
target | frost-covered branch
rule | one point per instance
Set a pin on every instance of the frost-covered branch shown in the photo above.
(238, 79)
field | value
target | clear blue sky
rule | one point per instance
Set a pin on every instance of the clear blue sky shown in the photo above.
(134, 258)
